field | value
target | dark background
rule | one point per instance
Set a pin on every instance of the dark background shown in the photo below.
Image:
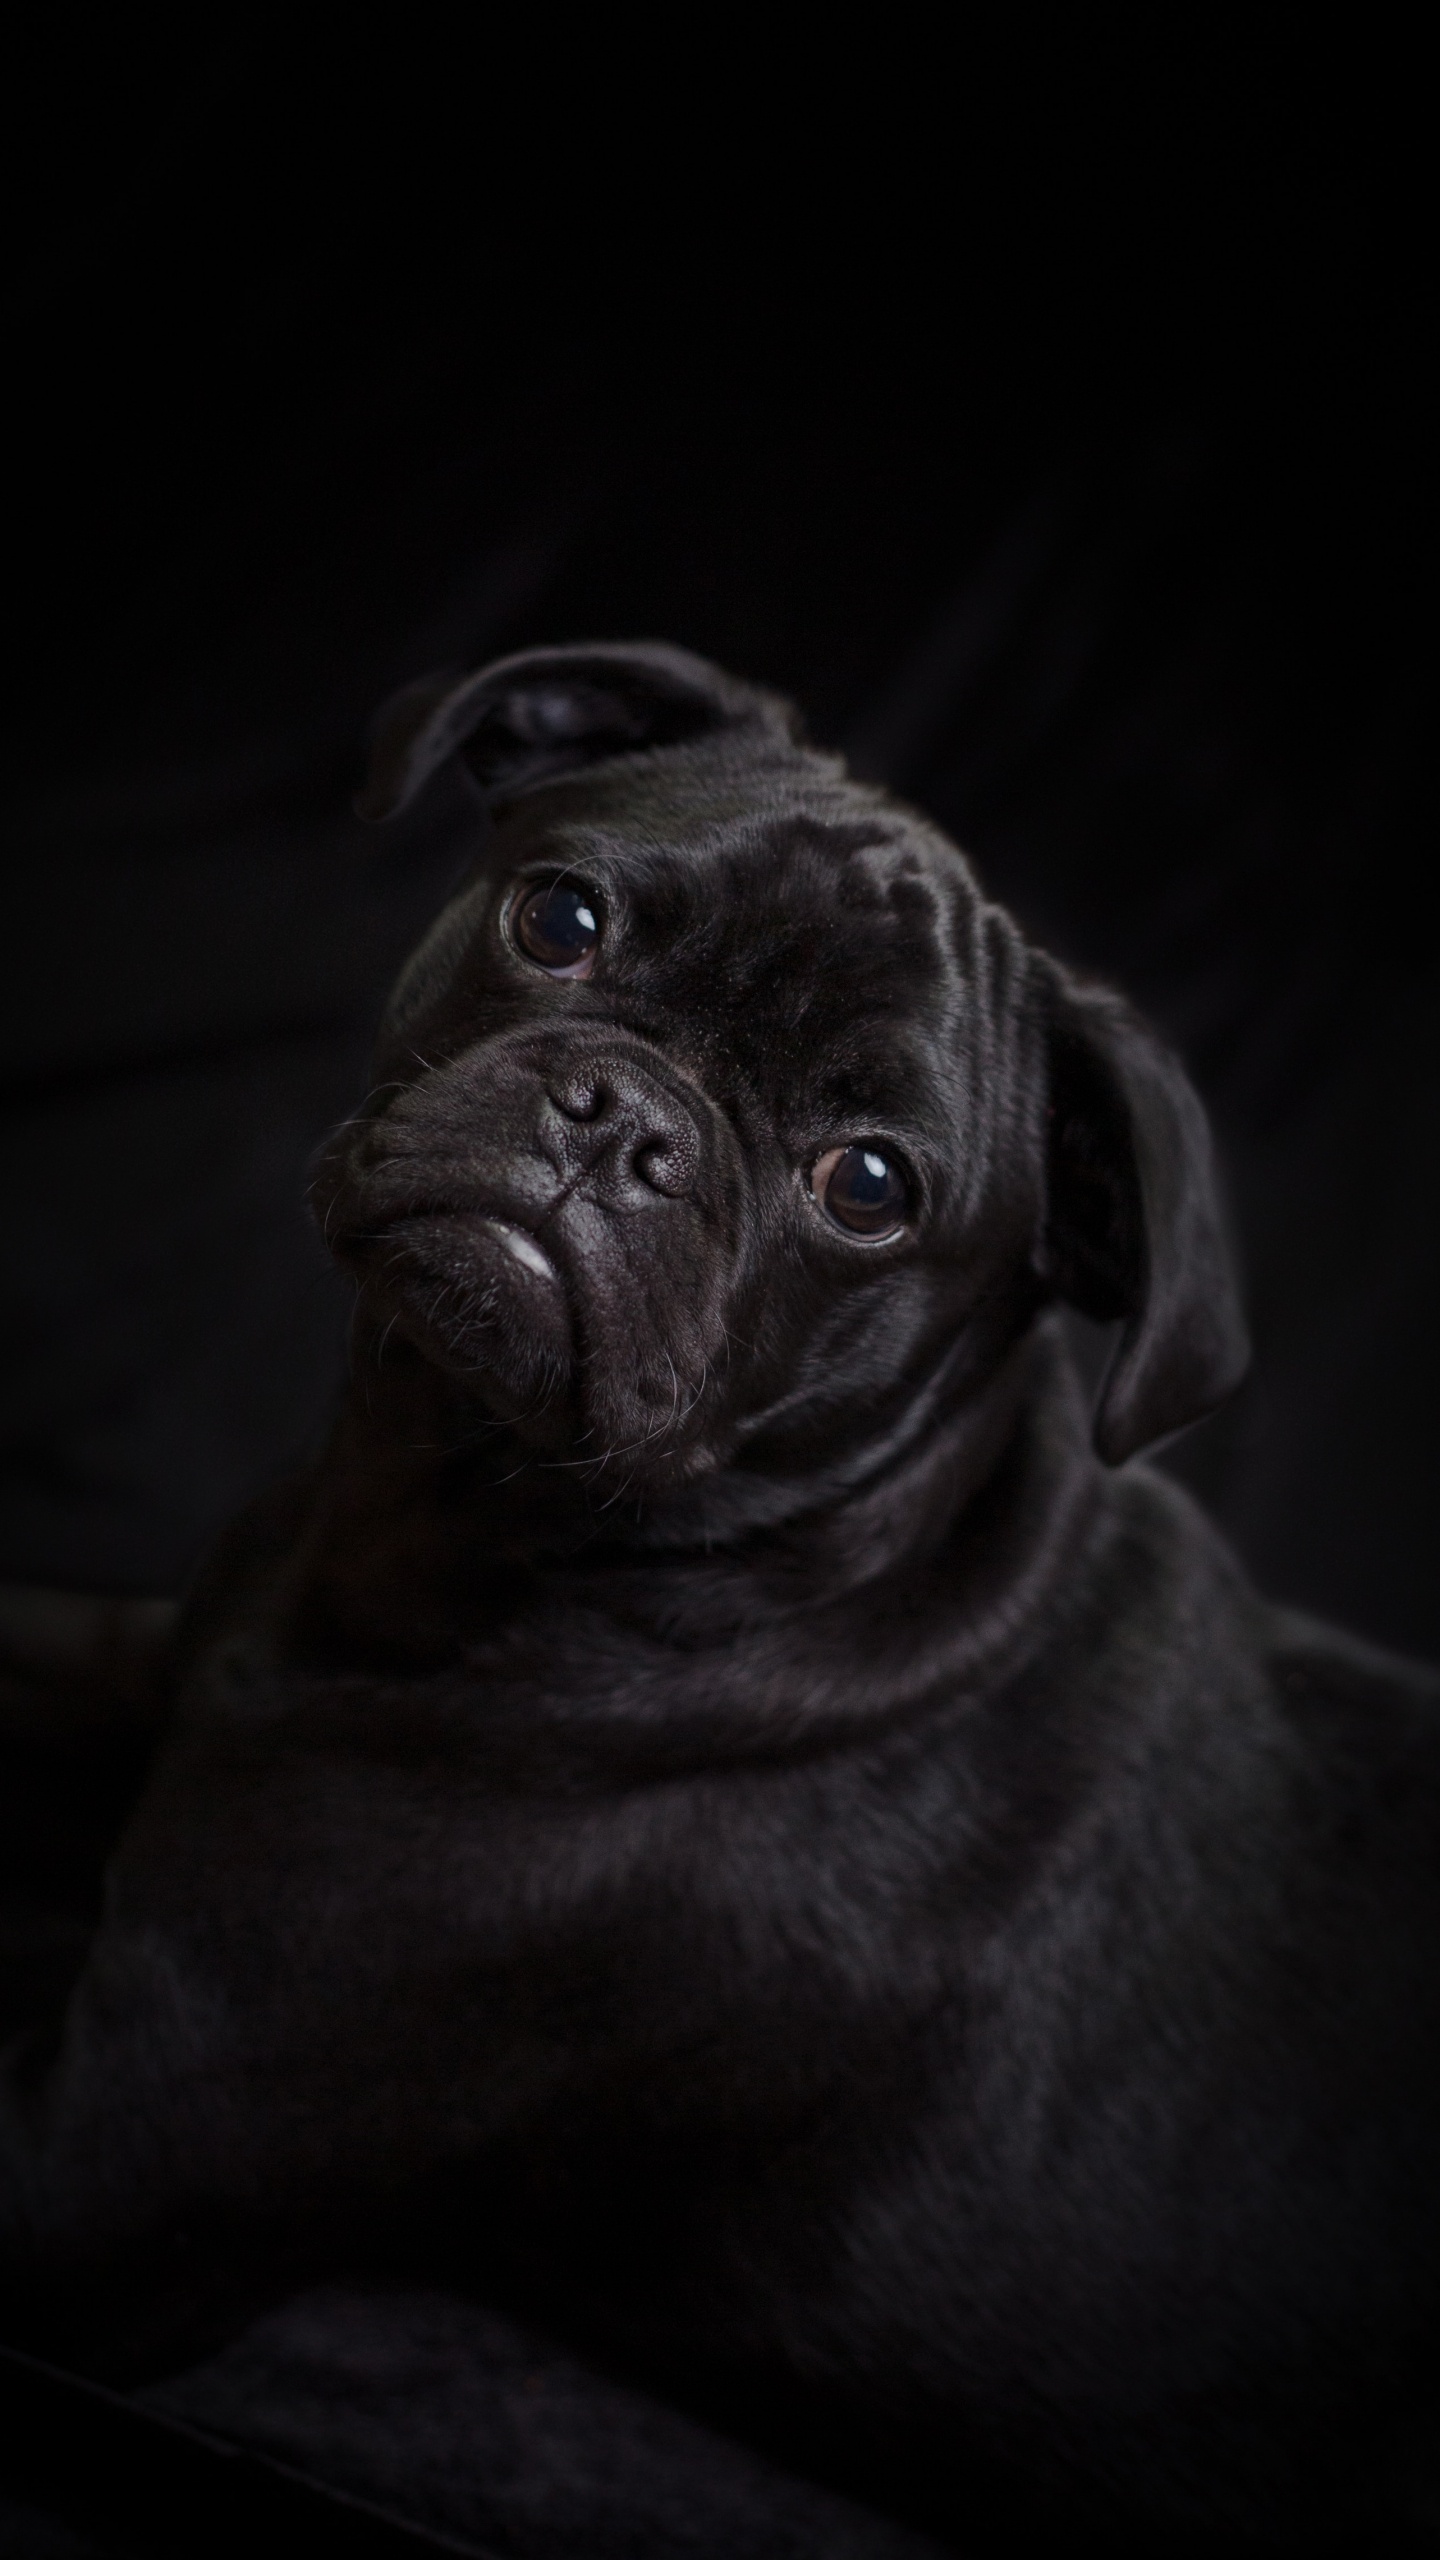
(1052, 430)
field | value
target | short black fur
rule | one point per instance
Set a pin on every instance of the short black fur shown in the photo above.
(711, 1808)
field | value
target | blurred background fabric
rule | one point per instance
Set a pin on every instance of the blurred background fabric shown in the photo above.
(1063, 452)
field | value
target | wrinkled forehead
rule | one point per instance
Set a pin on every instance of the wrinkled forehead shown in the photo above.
(788, 888)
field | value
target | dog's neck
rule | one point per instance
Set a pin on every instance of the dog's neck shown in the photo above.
(430, 1530)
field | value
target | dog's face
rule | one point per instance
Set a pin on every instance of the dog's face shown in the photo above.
(719, 1112)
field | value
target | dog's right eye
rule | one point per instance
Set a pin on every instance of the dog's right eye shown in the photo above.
(558, 927)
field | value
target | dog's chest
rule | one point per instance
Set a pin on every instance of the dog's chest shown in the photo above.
(709, 2003)
(545, 1925)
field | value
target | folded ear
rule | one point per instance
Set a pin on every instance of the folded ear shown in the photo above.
(1135, 1225)
(549, 711)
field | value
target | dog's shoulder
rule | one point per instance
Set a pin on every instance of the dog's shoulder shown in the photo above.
(1274, 1754)
(1368, 1722)
(1170, 1594)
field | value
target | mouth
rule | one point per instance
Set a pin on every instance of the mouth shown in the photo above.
(473, 1290)
(560, 1310)
(520, 1246)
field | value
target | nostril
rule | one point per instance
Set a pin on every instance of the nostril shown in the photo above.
(668, 1165)
(580, 1097)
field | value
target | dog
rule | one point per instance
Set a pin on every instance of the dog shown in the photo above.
(721, 1804)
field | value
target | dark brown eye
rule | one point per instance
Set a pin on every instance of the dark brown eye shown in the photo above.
(861, 1191)
(559, 927)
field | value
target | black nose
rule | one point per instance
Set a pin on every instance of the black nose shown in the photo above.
(634, 1121)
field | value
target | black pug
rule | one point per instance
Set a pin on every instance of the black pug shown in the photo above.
(720, 1806)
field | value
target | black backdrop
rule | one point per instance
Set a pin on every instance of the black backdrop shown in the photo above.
(1075, 488)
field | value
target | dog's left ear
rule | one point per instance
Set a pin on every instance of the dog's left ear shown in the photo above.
(548, 711)
(1135, 1224)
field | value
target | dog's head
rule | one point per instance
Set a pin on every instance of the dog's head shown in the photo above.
(719, 1115)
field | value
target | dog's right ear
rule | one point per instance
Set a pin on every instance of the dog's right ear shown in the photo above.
(546, 712)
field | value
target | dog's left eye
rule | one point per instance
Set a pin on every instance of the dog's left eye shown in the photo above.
(862, 1191)
(558, 926)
